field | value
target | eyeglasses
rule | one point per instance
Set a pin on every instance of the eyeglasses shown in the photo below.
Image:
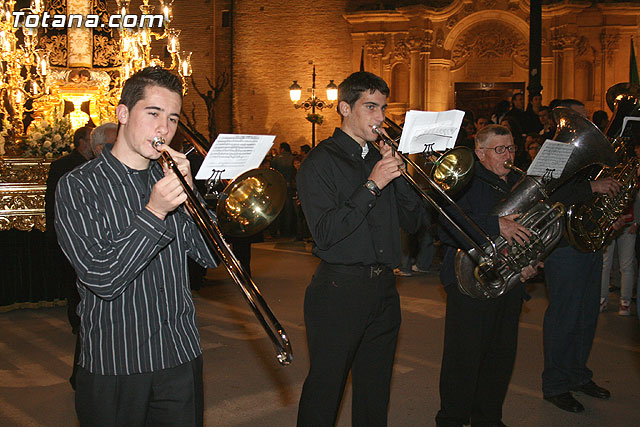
(500, 149)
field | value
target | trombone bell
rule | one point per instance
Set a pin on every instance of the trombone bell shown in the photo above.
(253, 200)
(453, 169)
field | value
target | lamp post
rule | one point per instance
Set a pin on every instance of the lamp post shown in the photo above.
(313, 102)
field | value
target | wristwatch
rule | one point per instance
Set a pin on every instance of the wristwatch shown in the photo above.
(373, 187)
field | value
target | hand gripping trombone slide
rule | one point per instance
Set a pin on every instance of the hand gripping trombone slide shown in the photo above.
(447, 167)
(216, 243)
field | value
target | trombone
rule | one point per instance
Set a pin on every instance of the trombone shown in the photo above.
(241, 190)
(451, 170)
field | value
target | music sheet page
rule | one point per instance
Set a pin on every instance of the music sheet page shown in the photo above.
(430, 130)
(232, 155)
(551, 159)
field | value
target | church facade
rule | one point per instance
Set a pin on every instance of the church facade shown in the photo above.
(435, 55)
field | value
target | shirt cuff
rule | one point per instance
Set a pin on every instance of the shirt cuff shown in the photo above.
(363, 199)
(153, 227)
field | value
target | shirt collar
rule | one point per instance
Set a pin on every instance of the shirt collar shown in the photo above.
(120, 168)
(350, 145)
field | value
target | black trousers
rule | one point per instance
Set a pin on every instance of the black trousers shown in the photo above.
(170, 397)
(480, 341)
(352, 316)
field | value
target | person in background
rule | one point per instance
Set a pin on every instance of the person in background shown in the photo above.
(573, 282)
(481, 122)
(532, 145)
(284, 225)
(81, 153)
(625, 240)
(601, 119)
(548, 130)
(104, 134)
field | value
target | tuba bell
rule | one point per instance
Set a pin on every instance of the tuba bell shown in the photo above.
(529, 199)
(590, 224)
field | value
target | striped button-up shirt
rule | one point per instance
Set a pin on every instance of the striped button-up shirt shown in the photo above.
(137, 313)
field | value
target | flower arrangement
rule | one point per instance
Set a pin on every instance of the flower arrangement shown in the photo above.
(49, 139)
(315, 118)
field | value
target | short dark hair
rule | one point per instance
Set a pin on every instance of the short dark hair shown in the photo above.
(82, 133)
(285, 146)
(305, 148)
(351, 89)
(133, 90)
(483, 134)
(599, 116)
(516, 94)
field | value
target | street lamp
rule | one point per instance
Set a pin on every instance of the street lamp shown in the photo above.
(313, 102)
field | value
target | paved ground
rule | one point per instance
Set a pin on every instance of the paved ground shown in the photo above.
(245, 386)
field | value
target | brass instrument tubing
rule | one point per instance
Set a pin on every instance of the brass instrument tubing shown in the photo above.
(217, 244)
(490, 262)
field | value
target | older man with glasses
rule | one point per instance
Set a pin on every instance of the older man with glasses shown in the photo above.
(480, 336)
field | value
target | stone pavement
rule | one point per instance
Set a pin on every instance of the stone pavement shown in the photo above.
(245, 385)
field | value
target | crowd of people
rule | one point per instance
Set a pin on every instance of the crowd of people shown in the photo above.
(120, 222)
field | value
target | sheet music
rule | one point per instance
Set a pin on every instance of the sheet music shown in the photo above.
(551, 159)
(233, 155)
(626, 120)
(430, 130)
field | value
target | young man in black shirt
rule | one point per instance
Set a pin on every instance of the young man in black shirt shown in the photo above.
(354, 206)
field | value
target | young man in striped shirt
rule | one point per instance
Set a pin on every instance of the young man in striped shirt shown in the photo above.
(120, 222)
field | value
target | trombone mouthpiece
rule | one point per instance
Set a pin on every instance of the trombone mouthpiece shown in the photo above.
(376, 129)
(157, 141)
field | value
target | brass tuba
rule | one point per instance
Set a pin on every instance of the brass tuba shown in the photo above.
(529, 198)
(590, 224)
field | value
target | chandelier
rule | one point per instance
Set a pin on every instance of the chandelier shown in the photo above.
(135, 43)
(24, 67)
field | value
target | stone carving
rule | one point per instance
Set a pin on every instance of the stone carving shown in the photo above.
(561, 38)
(490, 40)
(400, 51)
(375, 47)
(582, 46)
(488, 4)
(440, 38)
(610, 43)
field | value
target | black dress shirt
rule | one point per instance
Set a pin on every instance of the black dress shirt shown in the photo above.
(137, 313)
(349, 225)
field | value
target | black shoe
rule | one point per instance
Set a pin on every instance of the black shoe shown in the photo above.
(594, 390)
(566, 402)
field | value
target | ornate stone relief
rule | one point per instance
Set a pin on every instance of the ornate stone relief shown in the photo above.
(400, 52)
(562, 38)
(440, 38)
(375, 46)
(610, 42)
(489, 40)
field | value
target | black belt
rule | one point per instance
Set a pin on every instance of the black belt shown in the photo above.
(370, 271)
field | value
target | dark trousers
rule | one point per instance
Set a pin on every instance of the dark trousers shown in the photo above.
(480, 341)
(352, 316)
(169, 397)
(573, 287)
